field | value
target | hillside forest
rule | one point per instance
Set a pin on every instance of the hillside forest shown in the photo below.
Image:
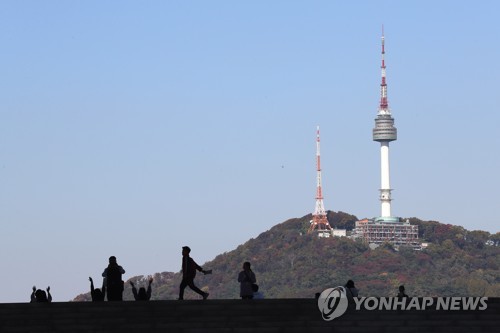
(289, 263)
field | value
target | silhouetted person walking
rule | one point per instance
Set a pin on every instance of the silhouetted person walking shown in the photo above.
(401, 293)
(142, 295)
(246, 278)
(97, 294)
(189, 268)
(39, 296)
(113, 280)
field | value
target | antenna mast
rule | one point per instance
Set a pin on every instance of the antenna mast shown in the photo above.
(319, 220)
(384, 104)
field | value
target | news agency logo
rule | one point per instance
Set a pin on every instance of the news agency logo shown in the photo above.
(332, 303)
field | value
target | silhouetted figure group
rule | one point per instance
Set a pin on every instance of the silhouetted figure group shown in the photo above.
(352, 291)
(113, 285)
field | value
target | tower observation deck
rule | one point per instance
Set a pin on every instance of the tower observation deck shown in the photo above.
(384, 130)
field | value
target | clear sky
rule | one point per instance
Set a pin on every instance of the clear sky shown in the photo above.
(132, 128)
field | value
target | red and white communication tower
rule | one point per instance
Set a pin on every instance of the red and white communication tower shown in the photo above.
(319, 220)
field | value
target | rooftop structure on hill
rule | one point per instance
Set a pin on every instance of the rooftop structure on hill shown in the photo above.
(379, 230)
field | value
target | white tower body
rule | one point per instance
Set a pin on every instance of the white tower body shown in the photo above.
(385, 186)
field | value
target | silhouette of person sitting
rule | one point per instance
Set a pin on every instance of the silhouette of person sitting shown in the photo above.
(246, 278)
(113, 280)
(142, 295)
(401, 293)
(39, 296)
(189, 268)
(97, 294)
(351, 290)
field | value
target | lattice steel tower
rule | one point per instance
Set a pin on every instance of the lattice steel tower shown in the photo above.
(319, 220)
(384, 132)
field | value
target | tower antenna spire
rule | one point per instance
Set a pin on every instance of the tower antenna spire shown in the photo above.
(384, 104)
(319, 220)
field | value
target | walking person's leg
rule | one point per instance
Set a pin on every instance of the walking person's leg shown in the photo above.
(197, 290)
(184, 284)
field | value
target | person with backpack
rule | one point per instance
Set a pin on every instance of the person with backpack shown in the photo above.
(247, 280)
(113, 280)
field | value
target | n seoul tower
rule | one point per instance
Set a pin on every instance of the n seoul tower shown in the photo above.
(386, 228)
(384, 132)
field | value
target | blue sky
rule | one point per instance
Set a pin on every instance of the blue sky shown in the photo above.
(133, 128)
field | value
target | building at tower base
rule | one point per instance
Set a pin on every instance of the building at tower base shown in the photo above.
(326, 233)
(391, 230)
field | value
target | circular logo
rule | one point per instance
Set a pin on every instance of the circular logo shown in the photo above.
(332, 303)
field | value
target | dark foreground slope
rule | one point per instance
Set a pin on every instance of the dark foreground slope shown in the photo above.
(291, 264)
(271, 315)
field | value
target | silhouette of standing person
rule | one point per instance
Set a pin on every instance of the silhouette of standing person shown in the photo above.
(189, 268)
(39, 296)
(401, 293)
(246, 278)
(351, 290)
(97, 294)
(142, 295)
(113, 280)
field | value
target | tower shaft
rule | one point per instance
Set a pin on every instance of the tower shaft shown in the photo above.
(385, 186)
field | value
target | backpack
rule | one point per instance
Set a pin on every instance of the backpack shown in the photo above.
(114, 277)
